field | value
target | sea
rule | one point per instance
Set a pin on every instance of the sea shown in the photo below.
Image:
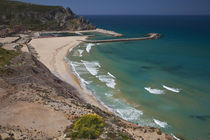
(163, 83)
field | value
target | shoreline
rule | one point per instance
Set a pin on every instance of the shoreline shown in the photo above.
(51, 53)
(53, 56)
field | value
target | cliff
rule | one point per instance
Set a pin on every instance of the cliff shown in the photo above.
(19, 16)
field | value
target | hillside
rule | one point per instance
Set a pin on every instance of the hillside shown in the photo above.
(21, 16)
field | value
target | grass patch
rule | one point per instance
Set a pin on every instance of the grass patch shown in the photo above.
(6, 56)
(88, 126)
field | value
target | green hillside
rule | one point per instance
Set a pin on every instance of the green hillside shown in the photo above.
(40, 17)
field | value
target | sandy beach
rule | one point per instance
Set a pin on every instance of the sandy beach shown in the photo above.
(52, 52)
(55, 103)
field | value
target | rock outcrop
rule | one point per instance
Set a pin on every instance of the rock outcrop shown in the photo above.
(28, 16)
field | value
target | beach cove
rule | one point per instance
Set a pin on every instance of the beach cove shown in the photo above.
(151, 82)
(52, 52)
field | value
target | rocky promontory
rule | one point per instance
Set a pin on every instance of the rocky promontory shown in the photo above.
(18, 16)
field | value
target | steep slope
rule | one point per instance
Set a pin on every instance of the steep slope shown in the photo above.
(27, 16)
(35, 104)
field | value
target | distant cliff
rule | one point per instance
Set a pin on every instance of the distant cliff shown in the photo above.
(29, 16)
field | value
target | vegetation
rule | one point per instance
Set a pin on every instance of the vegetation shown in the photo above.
(26, 14)
(88, 126)
(159, 132)
(124, 137)
(7, 7)
(6, 56)
(21, 16)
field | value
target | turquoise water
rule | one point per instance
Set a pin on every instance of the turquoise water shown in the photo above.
(163, 83)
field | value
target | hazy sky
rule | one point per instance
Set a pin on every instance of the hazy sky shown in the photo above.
(132, 7)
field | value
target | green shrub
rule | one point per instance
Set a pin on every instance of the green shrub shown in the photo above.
(6, 56)
(124, 137)
(159, 132)
(88, 126)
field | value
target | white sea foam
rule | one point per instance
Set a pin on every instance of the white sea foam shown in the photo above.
(110, 82)
(74, 66)
(161, 124)
(92, 67)
(70, 49)
(175, 137)
(129, 113)
(88, 47)
(111, 75)
(108, 94)
(80, 52)
(154, 91)
(171, 89)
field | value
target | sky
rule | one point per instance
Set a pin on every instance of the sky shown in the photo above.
(132, 7)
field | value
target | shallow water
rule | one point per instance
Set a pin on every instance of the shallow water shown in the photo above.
(61, 34)
(162, 83)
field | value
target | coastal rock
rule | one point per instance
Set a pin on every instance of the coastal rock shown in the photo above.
(39, 17)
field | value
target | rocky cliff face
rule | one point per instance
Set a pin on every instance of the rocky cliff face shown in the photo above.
(39, 17)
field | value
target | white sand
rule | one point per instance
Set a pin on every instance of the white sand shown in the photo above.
(52, 53)
(8, 39)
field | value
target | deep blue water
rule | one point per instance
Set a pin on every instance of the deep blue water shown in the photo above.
(163, 83)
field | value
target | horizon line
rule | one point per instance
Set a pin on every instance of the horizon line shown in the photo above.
(143, 14)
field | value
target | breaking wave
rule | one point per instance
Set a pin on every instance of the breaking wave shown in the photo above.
(92, 67)
(108, 94)
(154, 91)
(159, 123)
(108, 79)
(171, 89)
(88, 47)
(75, 66)
(129, 113)
(80, 52)
(175, 137)
(111, 75)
